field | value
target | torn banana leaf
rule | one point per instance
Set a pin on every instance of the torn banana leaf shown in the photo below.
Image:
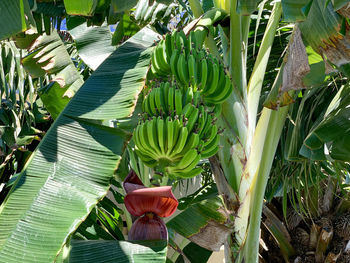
(207, 225)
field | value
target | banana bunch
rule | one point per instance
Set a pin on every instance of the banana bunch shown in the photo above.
(203, 72)
(216, 85)
(172, 45)
(167, 100)
(165, 143)
(175, 144)
(180, 56)
(176, 130)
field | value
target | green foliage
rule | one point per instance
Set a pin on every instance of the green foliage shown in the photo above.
(52, 175)
(15, 17)
(117, 251)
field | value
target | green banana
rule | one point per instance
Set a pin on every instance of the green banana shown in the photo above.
(170, 134)
(182, 69)
(193, 42)
(214, 81)
(192, 119)
(155, 66)
(181, 41)
(161, 132)
(161, 56)
(192, 70)
(173, 64)
(171, 101)
(188, 96)
(176, 132)
(180, 142)
(221, 95)
(204, 73)
(143, 137)
(178, 102)
(196, 98)
(207, 126)
(141, 143)
(186, 160)
(158, 100)
(194, 161)
(187, 110)
(162, 96)
(213, 132)
(152, 103)
(192, 173)
(173, 40)
(168, 47)
(211, 146)
(150, 162)
(203, 115)
(208, 154)
(165, 90)
(152, 135)
(192, 143)
(221, 81)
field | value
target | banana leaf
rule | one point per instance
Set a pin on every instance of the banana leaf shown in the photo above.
(246, 7)
(15, 17)
(80, 7)
(117, 251)
(71, 169)
(94, 43)
(49, 55)
(293, 10)
(334, 128)
(122, 5)
(202, 223)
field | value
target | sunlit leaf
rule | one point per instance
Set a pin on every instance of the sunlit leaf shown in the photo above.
(74, 163)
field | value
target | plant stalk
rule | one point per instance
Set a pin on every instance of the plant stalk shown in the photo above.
(274, 130)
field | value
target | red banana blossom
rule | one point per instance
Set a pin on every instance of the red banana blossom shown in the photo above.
(149, 204)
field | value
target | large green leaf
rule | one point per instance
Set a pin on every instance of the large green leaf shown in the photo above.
(246, 7)
(195, 254)
(293, 10)
(321, 26)
(334, 129)
(126, 27)
(110, 78)
(122, 5)
(15, 17)
(80, 7)
(74, 163)
(207, 225)
(49, 55)
(83, 251)
(94, 43)
(325, 30)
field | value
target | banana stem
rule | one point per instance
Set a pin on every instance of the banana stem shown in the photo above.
(274, 128)
(209, 41)
(237, 65)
